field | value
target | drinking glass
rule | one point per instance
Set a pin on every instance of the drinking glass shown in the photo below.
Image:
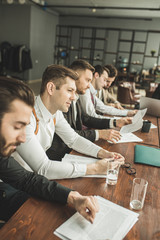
(138, 194)
(112, 172)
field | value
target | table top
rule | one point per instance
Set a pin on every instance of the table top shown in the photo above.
(37, 219)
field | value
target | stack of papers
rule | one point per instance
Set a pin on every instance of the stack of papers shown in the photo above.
(112, 222)
(83, 160)
(137, 122)
(126, 131)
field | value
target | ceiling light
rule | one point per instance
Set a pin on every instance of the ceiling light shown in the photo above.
(94, 10)
(9, 1)
(22, 1)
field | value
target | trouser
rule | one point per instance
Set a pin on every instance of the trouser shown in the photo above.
(10, 200)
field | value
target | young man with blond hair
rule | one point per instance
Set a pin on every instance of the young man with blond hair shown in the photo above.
(101, 128)
(56, 94)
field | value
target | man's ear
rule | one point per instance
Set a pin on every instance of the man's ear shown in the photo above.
(96, 75)
(50, 88)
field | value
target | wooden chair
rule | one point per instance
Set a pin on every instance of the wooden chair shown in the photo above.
(126, 94)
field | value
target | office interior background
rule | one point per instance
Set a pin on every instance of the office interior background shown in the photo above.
(123, 33)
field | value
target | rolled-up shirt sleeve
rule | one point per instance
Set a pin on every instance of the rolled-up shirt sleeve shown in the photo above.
(100, 106)
(74, 140)
(90, 109)
(34, 155)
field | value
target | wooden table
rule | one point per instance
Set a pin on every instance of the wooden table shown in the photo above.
(37, 219)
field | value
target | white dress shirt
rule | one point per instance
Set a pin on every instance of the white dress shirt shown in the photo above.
(33, 150)
(90, 103)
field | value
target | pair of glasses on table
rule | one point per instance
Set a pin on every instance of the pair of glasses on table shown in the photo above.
(129, 169)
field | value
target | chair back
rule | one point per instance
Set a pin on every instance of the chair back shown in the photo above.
(124, 95)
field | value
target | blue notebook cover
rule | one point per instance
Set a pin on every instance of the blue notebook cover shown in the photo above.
(147, 155)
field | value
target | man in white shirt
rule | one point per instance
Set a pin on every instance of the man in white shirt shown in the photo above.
(16, 104)
(90, 103)
(104, 94)
(57, 92)
(77, 119)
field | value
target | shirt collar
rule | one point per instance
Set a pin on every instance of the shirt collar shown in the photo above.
(76, 98)
(93, 90)
(44, 111)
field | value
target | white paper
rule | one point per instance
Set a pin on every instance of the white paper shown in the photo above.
(129, 137)
(153, 126)
(112, 222)
(137, 122)
(81, 159)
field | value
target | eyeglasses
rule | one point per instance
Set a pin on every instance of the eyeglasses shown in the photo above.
(129, 169)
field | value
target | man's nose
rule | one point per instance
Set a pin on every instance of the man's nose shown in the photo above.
(88, 85)
(105, 84)
(22, 137)
(73, 96)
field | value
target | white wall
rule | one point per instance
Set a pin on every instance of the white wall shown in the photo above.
(42, 40)
(33, 27)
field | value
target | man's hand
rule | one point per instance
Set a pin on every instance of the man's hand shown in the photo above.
(118, 157)
(118, 105)
(123, 121)
(110, 134)
(131, 113)
(104, 154)
(87, 206)
(100, 167)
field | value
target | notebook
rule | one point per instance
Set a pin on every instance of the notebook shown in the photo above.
(152, 105)
(147, 155)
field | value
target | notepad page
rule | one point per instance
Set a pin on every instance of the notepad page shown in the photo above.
(112, 222)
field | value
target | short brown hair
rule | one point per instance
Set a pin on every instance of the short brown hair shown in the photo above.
(81, 64)
(12, 89)
(56, 74)
(112, 70)
(100, 69)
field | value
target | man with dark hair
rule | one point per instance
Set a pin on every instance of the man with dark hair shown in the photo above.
(104, 94)
(77, 119)
(57, 93)
(16, 103)
(90, 103)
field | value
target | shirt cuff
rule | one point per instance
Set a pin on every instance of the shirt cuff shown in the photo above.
(124, 113)
(79, 170)
(111, 123)
(97, 135)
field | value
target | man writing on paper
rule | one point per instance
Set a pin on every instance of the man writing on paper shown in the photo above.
(77, 118)
(104, 93)
(16, 103)
(90, 103)
(57, 92)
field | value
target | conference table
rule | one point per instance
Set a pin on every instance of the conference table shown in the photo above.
(37, 219)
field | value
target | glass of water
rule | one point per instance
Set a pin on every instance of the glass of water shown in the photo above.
(138, 194)
(112, 172)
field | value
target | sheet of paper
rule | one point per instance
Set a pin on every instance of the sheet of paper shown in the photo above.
(81, 159)
(129, 137)
(153, 126)
(112, 222)
(136, 124)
